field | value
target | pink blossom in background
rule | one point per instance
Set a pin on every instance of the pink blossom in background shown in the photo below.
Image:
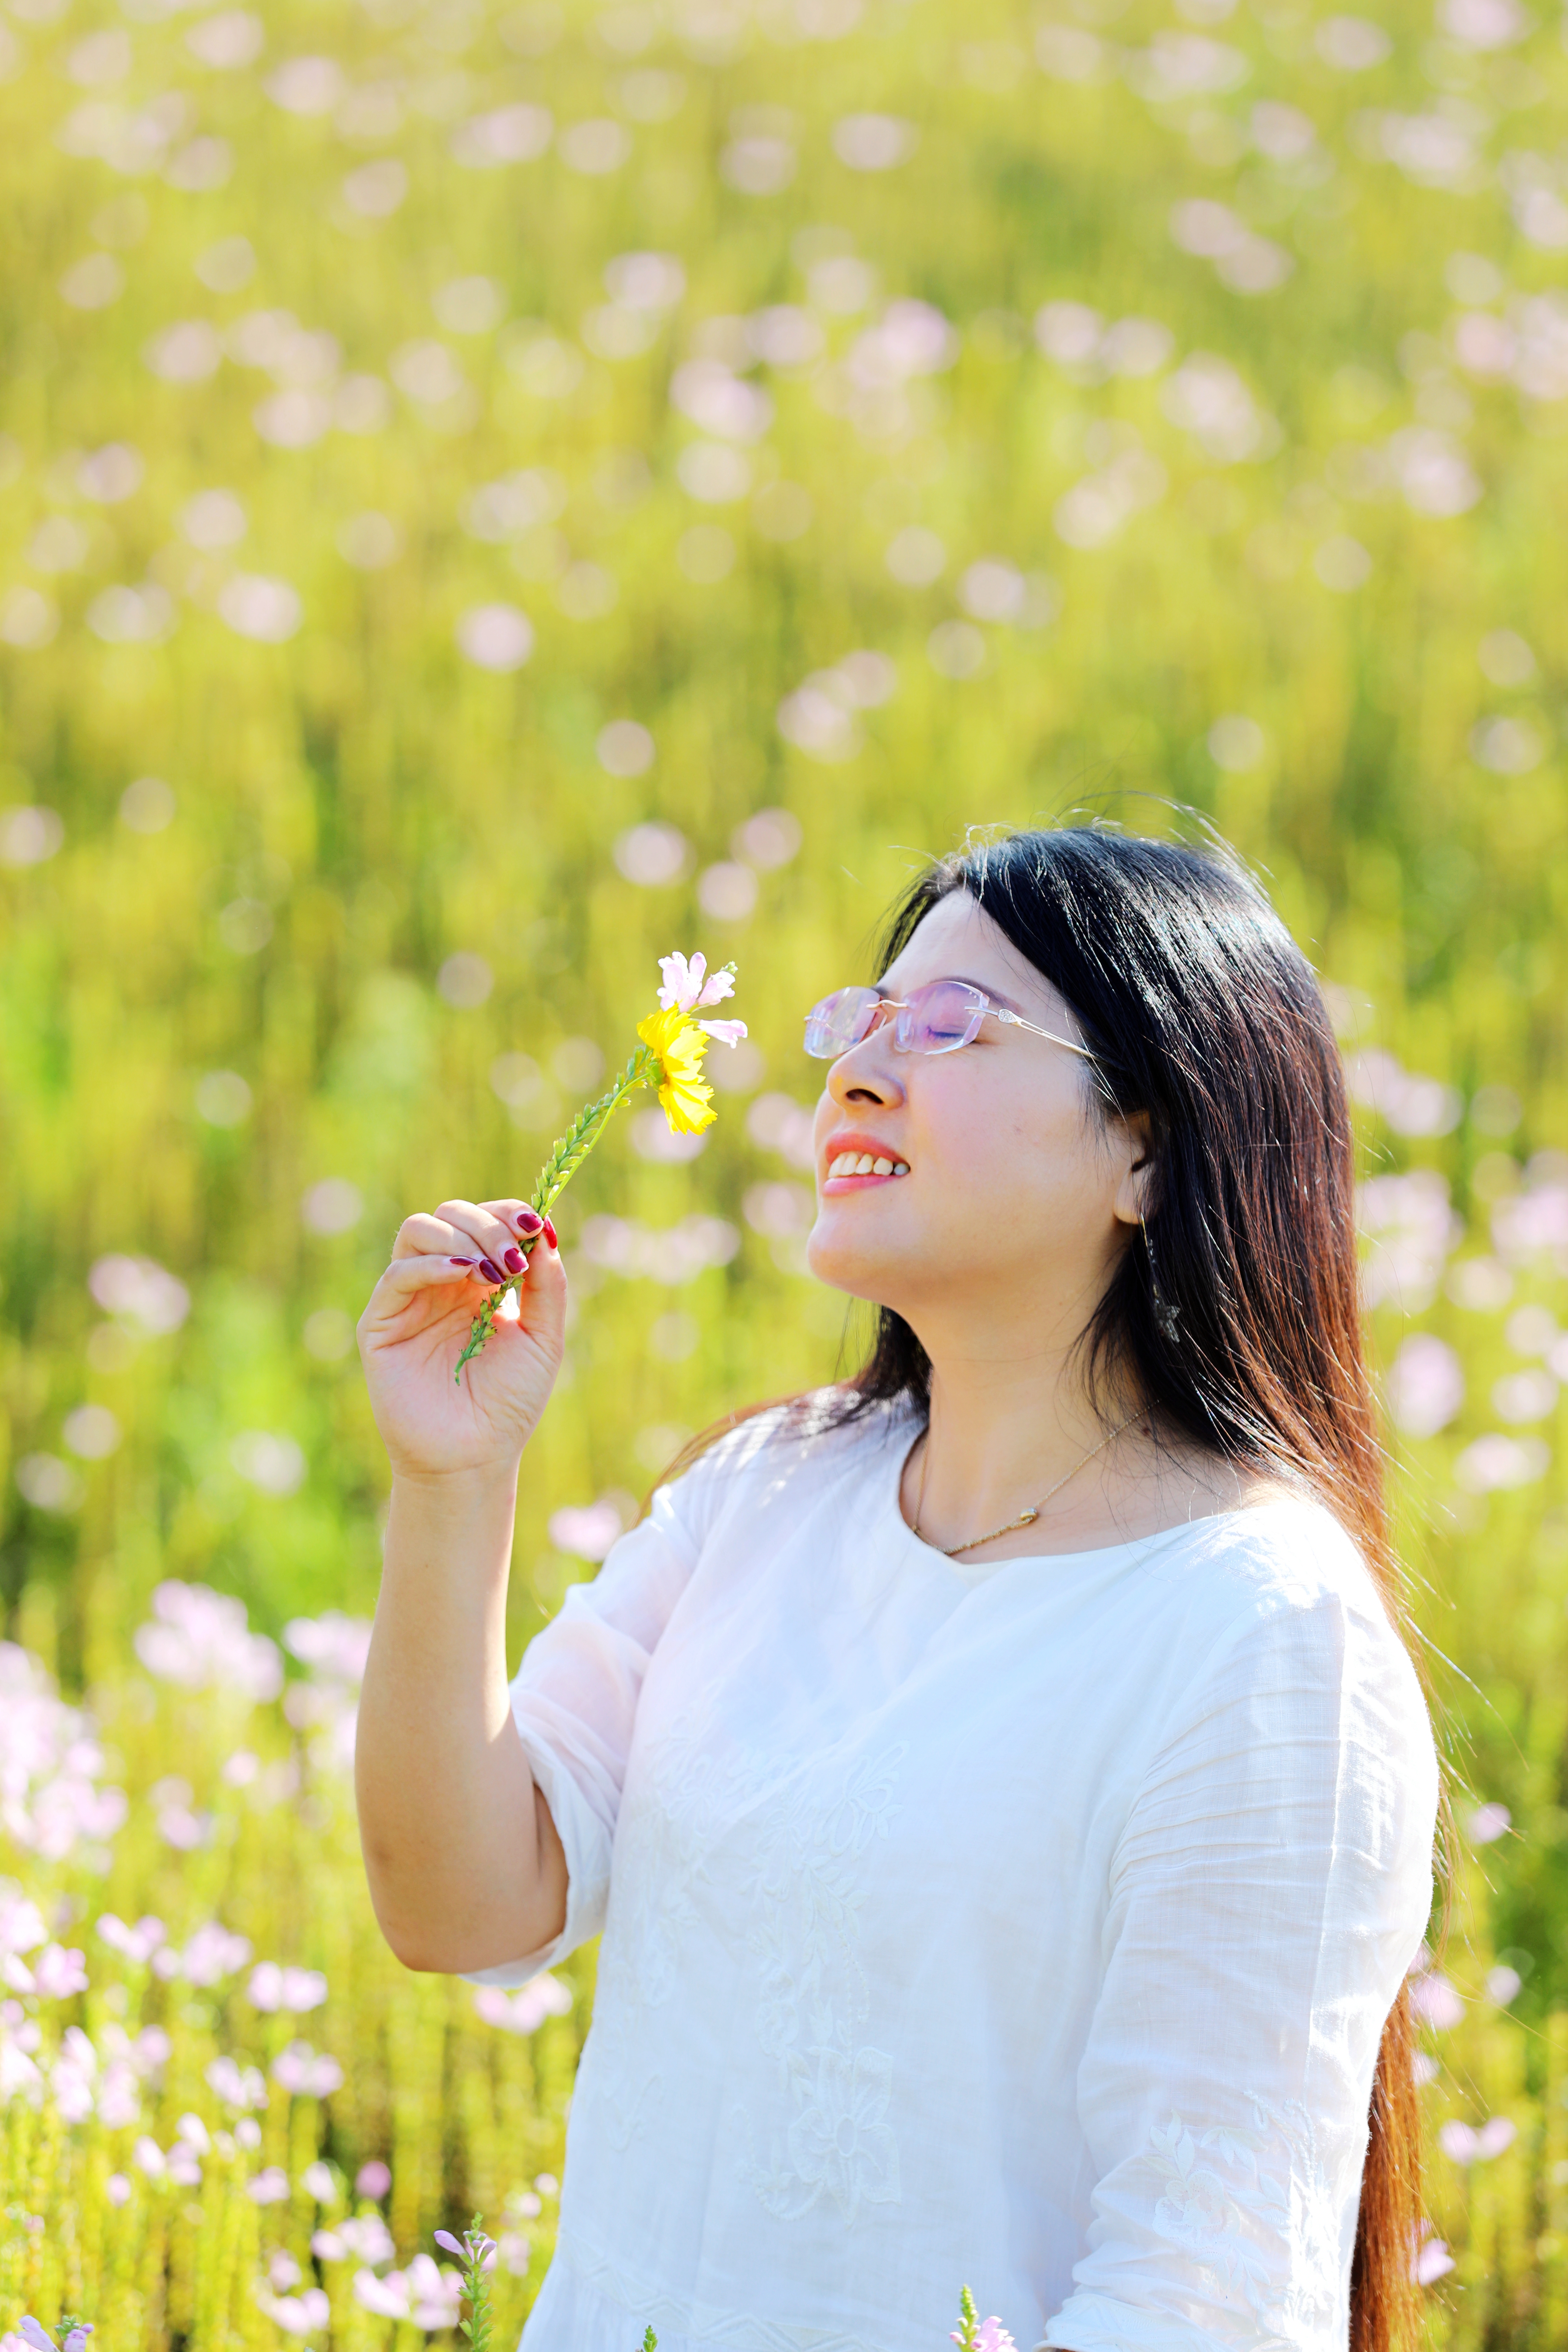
(199, 1639)
(274, 1988)
(116, 2188)
(365, 2235)
(238, 2086)
(1433, 2262)
(270, 2186)
(1502, 1983)
(1426, 1385)
(1487, 1824)
(212, 1953)
(372, 2179)
(1435, 2001)
(21, 1923)
(588, 1531)
(136, 1944)
(334, 1644)
(1465, 2145)
(523, 2012)
(306, 2073)
(296, 2315)
(50, 1765)
(424, 2292)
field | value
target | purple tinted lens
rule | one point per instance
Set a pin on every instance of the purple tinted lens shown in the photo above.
(940, 1018)
(839, 1021)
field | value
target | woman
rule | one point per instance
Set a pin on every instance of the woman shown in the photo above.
(1000, 1781)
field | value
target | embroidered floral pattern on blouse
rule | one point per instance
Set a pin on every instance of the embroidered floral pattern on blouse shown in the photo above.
(1258, 2214)
(808, 1827)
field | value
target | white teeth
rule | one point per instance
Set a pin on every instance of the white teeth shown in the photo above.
(864, 1164)
(882, 1166)
(901, 1166)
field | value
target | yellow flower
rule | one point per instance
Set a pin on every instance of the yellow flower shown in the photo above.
(684, 1093)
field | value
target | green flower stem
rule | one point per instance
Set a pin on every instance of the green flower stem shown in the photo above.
(567, 1156)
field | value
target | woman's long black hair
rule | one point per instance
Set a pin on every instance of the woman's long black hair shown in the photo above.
(1204, 1015)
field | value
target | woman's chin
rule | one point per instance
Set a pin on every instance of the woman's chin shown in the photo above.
(861, 1273)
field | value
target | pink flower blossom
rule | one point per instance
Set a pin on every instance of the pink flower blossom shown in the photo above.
(372, 2179)
(296, 2315)
(58, 1973)
(690, 984)
(727, 1033)
(136, 1944)
(305, 2074)
(523, 2012)
(271, 1987)
(1435, 2001)
(1431, 2263)
(270, 2186)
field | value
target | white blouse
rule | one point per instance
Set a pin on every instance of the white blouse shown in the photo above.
(1029, 1924)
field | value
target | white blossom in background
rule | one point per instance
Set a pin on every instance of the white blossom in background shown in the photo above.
(875, 143)
(496, 637)
(1207, 398)
(1488, 1823)
(673, 1254)
(30, 836)
(141, 1292)
(651, 854)
(268, 1460)
(189, 351)
(506, 134)
(332, 1206)
(423, 2294)
(257, 606)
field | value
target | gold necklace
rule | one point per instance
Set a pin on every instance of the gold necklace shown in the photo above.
(1024, 1518)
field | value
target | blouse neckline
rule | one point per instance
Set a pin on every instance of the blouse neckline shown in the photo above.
(973, 1572)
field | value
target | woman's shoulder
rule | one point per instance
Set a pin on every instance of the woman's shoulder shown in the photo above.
(782, 1450)
(1283, 1577)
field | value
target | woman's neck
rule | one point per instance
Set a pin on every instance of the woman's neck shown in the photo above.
(1003, 1431)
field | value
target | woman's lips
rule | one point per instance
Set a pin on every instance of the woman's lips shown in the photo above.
(850, 1171)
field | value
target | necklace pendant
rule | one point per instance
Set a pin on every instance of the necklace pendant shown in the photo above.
(1027, 1519)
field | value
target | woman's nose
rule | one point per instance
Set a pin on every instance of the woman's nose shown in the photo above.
(866, 1073)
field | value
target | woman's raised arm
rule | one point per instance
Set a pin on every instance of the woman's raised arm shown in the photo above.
(462, 1856)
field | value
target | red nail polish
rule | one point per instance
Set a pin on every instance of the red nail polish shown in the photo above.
(516, 1261)
(461, 1261)
(529, 1221)
(490, 1270)
(549, 1235)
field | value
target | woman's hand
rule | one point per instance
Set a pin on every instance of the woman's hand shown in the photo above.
(415, 1327)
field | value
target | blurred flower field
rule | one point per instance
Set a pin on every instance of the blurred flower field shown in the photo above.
(489, 496)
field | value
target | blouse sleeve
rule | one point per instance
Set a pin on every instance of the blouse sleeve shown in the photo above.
(574, 1701)
(1270, 1890)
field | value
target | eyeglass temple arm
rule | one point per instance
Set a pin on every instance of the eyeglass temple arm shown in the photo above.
(1018, 1022)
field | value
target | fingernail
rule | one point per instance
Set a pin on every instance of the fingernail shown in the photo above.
(463, 1261)
(549, 1235)
(529, 1221)
(516, 1261)
(490, 1270)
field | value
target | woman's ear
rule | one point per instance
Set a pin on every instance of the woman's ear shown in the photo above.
(1135, 1191)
